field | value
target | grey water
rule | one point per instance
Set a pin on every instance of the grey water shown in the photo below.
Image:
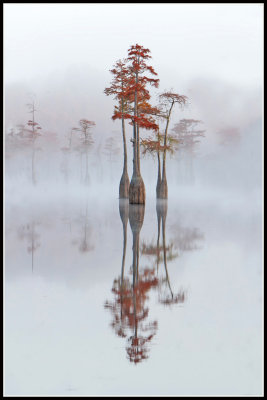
(91, 310)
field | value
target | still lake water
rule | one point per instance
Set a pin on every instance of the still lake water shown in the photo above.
(102, 298)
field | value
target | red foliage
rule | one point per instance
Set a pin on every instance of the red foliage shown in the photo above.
(118, 89)
(137, 87)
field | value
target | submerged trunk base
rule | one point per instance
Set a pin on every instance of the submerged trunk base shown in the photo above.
(124, 186)
(137, 191)
(162, 190)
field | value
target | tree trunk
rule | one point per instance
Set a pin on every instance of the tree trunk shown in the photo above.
(124, 182)
(137, 193)
(163, 191)
(163, 188)
(138, 150)
(159, 176)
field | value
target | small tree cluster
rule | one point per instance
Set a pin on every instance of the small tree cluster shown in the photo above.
(131, 79)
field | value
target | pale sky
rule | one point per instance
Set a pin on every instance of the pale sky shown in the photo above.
(222, 41)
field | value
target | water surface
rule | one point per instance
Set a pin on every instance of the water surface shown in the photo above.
(103, 298)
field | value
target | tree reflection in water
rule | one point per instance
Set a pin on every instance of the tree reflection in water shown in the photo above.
(129, 307)
(163, 253)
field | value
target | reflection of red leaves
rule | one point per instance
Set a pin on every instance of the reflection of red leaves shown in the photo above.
(129, 312)
(138, 349)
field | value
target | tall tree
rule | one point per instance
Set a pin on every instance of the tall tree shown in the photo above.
(168, 100)
(33, 133)
(137, 93)
(118, 91)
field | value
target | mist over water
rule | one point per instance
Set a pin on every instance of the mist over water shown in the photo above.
(106, 298)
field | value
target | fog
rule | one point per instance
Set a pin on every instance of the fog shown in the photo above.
(68, 241)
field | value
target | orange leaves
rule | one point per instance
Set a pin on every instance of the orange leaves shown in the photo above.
(120, 80)
(138, 51)
(145, 122)
(129, 88)
(120, 115)
(152, 146)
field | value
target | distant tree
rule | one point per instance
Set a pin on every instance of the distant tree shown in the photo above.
(85, 144)
(188, 133)
(111, 149)
(229, 136)
(32, 133)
